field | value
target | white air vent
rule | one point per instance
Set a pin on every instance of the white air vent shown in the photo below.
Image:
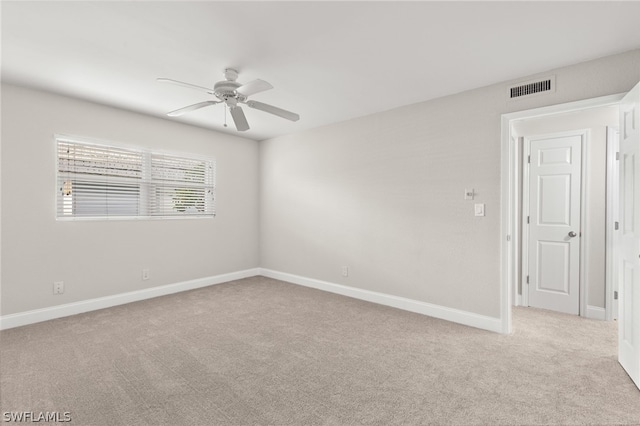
(532, 87)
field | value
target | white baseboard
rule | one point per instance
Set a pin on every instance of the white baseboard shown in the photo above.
(53, 312)
(596, 312)
(436, 311)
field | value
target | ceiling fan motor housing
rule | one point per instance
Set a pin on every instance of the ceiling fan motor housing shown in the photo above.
(226, 89)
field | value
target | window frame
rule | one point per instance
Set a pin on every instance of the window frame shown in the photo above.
(146, 181)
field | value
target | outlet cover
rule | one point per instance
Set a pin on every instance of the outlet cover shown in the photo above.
(145, 274)
(58, 287)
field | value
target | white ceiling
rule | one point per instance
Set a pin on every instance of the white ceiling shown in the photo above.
(328, 61)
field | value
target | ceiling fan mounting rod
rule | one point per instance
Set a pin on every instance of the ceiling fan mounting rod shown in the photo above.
(231, 74)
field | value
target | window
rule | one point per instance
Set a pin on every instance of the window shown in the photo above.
(102, 181)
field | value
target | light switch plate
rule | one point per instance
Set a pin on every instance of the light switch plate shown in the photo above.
(479, 209)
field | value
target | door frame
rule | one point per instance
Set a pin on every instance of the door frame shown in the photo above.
(510, 184)
(613, 216)
(525, 211)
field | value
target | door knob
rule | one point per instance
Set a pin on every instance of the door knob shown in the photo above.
(572, 234)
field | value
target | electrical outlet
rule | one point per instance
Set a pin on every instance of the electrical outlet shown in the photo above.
(479, 209)
(345, 271)
(145, 274)
(58, 287)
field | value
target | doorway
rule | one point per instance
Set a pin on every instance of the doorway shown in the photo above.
(626, 250)
(564, 255)
(512, 196)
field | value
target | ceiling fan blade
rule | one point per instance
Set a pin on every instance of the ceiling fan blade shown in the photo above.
(239, 118)
(182, 83)
(191, 108)
(274, 110)
(253, 87)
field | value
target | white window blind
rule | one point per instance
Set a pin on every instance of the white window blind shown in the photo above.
(100, 181)
(180, 186)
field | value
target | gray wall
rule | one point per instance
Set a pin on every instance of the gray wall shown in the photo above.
(383, 194)
(97, 257)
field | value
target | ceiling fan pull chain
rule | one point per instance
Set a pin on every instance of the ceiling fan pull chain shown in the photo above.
(225, 116)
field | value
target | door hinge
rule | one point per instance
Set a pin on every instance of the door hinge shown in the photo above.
(616, 225)
(615, 295)
(618, 155)
(527, 219)
(527, 279)
(528, 159)
(508, 237)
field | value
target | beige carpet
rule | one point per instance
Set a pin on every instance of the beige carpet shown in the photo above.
(260, 351)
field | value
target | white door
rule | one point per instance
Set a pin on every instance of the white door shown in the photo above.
(629, 243)
(554, 194)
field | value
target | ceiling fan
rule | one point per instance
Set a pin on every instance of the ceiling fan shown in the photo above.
(232, 93)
